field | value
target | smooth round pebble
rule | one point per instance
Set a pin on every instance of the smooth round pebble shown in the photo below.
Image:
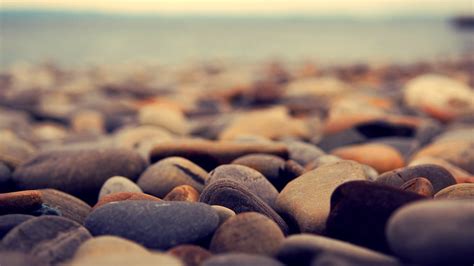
(458, 191)
(24, 202)
(191, 255)
(66, 205)
(117, 184)
(183, 193)
(419, 185)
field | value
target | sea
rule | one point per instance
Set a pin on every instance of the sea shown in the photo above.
(81, 38)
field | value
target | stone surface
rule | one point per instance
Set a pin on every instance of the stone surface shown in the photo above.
(183, 193)
(66, 205)
(223, 213)
(19, 259)
(302, 152)
(240, 259)
(278, 171)
(437, 175)
(133, 137)
(9, 221)
(13, 150)
(168, 118)
(50, 239)
(461, 175)
(230, 194)
(128, 258)
(5, 178)
(437, 232)
(253, 180)
(124, 196)
(117, 184)
(458, 191)
(306, 199)
(160, 178)
(191, 255)
(247, 232)
(210, 154)
(157, 225)
(103, 245)
(80, 172)
(419, 185)
(20, 202)
(360, 211)
(302, 249)
(381, 157)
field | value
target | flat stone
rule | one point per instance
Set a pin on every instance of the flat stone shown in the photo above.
(231, 194)
(240, 259)
(210, 154)
(157, 225)
(458, 191)
(433, 232)
(360, 211)
(278, 171)
(302, 249)
(66, 205)
(248, 232)
(117, 184)
(160, 178)
(253, 180)
(191, 255)
(419, 185)
(306, 199)
(437, 175)
(79, 172)
(20, 202)
(381, 157)
(223, 213)
(9, 221)
(51, 239)
(124, 196)
(183, 193)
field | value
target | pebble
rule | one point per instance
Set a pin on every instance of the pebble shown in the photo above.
(163, 176)
(162, 116)
(128, 258)
(18, 259)
(437, 232)
(328, 258)
(302, 152)
(278, 171)
(241, 259)
(461, 175)
(9, 221)
(191, 255)
(117, 184)
(419, 185)
(51, 239)
(306, 199)
(210, 154)
(302, 249)
(132, 137)
(457, 191)
(156, 225)
(232, 195)
(103, 245)
(322, 160)
(253, 180)
(223, 213)
(66, 205)
(20, 202)
(88, 121)
(368, 206)
(80, 172)
(124, 196)
(437, 175)
(247, 232)
(381, 157)
(183, 193)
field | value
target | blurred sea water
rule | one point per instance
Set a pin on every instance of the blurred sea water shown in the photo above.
(73, 39)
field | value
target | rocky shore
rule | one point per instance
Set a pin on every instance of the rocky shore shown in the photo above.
(225, 164)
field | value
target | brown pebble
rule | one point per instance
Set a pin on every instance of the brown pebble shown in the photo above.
(183, 193)
(121, 196)
(20, 201)
(191, 255)
(419, 185)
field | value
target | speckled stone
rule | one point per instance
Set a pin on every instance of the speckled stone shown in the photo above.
(117, 184)
(307, 198)
(253, 180)
(183, 193)
(157, 225)
(247, 232)
(124, 196)
(80, 172)
(302, 249)
(210, 154)
(241, 259)
(160, 178)
(231, 194)
(360, 211)
(458, 191)
(51, 239)
(435, 232)
(437, 175)
(191, 255)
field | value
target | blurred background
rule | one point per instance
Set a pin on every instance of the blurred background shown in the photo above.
(72, 33)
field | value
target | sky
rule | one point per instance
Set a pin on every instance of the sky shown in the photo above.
(316, 7)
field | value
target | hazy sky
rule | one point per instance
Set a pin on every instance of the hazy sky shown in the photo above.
(342, 7)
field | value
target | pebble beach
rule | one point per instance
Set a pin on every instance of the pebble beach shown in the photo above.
(221, 163)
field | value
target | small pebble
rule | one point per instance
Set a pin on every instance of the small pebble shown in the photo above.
(117, 184)
(183, 193)
(191, 255)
